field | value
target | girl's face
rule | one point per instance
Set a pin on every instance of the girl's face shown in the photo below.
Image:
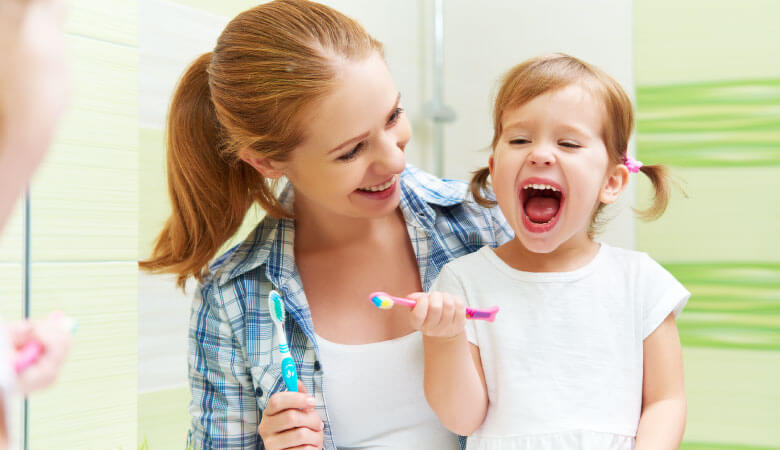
(350, 161)
(550, 168)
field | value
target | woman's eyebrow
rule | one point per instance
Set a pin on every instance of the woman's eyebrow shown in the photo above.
(365, 135)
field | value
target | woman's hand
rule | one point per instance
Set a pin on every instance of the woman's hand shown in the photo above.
(53, 334)
(438, 314)
(291, 422)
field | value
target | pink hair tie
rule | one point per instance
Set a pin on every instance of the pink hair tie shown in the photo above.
(631, 164)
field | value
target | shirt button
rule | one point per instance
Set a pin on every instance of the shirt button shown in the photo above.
(317, 365)
(259, 392)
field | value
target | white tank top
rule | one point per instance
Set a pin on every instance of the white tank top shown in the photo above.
(375, 398)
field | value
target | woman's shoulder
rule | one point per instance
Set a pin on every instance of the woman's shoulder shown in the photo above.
(442, 193)
(239, 261)
(432, 189)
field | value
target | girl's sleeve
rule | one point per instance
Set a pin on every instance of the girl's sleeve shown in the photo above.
(223, 407)
(449, 282)
(661, 294)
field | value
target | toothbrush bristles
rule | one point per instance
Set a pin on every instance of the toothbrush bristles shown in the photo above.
(381, 302)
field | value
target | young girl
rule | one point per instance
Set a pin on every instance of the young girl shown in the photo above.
(584, 352)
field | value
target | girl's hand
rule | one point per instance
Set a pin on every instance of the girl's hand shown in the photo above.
(291, 422)
(54, 336)
(438, 314)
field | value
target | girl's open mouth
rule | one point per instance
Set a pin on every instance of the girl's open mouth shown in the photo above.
(542, 201)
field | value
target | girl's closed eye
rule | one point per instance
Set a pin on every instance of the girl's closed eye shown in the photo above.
(519, 141)
(569, 144)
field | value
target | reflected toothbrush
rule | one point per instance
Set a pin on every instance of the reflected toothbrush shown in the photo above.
(32, 350)
(383, 300)
(288, 365)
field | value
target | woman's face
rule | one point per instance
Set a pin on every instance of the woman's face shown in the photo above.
(350, 161)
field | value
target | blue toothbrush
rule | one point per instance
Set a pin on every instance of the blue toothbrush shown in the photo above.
(288, 365)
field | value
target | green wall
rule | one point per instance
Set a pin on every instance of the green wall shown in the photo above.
(708, 102)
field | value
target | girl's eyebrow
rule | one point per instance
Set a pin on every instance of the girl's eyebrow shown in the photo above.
(365, 135)
(519, 125)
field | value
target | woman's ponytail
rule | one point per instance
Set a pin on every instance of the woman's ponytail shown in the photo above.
(209, 193)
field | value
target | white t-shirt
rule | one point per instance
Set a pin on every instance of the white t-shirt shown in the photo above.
(563, 359)
(375, 396)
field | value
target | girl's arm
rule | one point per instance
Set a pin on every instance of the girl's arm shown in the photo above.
(453, 379)
(662, 422)
(454, 383)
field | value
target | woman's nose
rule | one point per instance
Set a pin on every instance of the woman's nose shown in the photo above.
(390, 157)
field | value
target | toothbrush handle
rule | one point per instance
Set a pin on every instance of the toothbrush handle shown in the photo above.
(488, 314)
(289, 374)
(27, 355)
(404, 302)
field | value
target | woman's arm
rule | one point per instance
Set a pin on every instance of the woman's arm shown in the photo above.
(662, 422)
(224, 407)
(454, 383)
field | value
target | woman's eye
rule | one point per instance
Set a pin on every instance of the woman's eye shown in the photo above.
(395, 116)
(352, 153)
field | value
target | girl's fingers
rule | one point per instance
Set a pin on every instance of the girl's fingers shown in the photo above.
(434, 310)
(420, 311)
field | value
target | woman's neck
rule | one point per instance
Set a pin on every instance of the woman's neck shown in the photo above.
(569, 256)
(317, 230)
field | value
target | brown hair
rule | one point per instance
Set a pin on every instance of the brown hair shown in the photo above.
(543, 74)
(270, 64)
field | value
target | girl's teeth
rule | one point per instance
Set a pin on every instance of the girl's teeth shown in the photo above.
(381, 187)
(540, 187)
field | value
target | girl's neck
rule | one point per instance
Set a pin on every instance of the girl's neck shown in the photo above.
(569, 256)
(317, 230)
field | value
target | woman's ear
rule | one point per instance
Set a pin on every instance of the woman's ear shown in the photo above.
(267, 167)
(490, 165)
(614, 183)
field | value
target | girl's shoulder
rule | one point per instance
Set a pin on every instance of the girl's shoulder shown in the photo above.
(631, 262)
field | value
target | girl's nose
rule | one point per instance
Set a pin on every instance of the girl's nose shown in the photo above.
(541, 156)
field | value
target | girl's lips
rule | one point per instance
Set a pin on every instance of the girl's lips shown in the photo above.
(534, 227)
(380, 195)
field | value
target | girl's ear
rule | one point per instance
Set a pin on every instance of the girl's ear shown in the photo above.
(614, 183)
(490, 165)
(267, 167)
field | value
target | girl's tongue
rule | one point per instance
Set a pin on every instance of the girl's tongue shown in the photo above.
(542, 209)
(542, 206)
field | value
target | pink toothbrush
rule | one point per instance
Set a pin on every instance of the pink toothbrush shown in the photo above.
(31, 351)
(383, 300)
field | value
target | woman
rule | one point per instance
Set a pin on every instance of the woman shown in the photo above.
(297, 90)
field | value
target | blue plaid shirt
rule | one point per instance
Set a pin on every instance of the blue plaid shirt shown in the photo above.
(234, 364)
